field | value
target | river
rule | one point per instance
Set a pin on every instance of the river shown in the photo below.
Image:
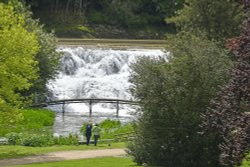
(94, 71)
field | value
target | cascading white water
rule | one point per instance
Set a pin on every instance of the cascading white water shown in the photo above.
(97, 73)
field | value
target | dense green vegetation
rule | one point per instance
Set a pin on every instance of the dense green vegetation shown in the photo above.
(229, 112)
(18, 66)
(168, 132)
(207, 16)
(175, 94)
(47, 57)
(28, 59)
(95, 18)
(97, 162)
(35, 129)
(31, 121)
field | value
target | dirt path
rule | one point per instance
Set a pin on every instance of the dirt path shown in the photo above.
(61, 156)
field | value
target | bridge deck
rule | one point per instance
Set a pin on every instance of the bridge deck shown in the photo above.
(90, 101)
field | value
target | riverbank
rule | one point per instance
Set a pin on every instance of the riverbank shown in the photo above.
(113, 43)
(110, 32)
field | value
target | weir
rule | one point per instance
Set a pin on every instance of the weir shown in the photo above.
(94, 73)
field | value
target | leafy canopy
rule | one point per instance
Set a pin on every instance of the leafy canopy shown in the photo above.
(18, 48)
(220, 19)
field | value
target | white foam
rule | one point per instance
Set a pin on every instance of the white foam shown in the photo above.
(97, 73)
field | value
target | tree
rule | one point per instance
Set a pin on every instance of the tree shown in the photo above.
(207, 16)
(136, 13)
(158, 10)
(47, 56)
(18, 48)
(172, 96)
(229, 111)
(18, 66)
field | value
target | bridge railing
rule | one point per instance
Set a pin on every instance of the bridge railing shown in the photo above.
(89, 101)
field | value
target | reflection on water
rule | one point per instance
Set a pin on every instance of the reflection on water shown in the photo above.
(71, 122)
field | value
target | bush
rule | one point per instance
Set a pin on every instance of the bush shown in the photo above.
(66, 140)
(13, 138)
(172, 96)
(36, 140)
(110, 124)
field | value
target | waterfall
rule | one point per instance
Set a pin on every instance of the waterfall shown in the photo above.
(96, 73)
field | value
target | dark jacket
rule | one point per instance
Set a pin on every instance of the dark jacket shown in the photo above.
(88, 130)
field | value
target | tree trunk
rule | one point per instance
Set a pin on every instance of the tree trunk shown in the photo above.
(80, 8)
(56, 6)
(68, 5)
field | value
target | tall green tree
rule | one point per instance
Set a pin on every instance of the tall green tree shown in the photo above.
(18, 65)
(220, 19)
(47, 56)
(172, 96)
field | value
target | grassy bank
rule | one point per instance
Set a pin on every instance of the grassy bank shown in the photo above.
(21, 151)
(35, 121)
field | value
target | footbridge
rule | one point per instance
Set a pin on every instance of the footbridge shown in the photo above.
(89, 101)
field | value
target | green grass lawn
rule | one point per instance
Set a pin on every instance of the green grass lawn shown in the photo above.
(92, 162)
(20, 151)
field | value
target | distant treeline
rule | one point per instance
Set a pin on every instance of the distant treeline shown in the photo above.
(124, 13)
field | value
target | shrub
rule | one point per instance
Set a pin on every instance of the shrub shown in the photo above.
(13, 138)
(34, 140)
(66, 140)
(172, 96)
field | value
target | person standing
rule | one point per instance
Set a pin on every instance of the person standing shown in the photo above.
(88, 133)
(96, 131)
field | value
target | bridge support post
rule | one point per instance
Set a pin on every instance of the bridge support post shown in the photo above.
(90, 108)
(117, 109)
(36, 98)
(63, 107)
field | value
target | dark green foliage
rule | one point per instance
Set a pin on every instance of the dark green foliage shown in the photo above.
(35, 140)
(229, 113)
(173, 95)
(40, 140)
(128, 14)
(220, 19)
(13, 138)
